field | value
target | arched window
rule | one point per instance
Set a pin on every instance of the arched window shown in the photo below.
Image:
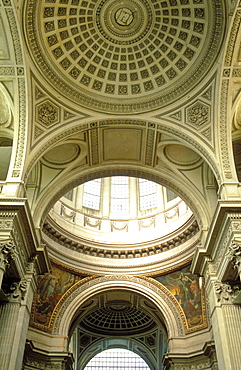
(92, 194)
(119, 194)
(148, 194)
(121, 359)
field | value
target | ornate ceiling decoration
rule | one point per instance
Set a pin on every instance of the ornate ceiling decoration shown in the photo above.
(118, 318)
(184, 236)
(123, 56)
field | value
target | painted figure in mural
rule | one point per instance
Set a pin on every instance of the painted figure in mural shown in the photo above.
(51, 288)
(185, 288)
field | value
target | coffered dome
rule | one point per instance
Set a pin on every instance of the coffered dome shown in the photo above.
(123, 56)
(118, 318)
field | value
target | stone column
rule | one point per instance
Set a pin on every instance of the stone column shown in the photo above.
(7, 254)
(226, 319)
(10, 319)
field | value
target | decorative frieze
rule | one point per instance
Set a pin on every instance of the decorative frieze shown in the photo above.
(164, 246)
(42, 365)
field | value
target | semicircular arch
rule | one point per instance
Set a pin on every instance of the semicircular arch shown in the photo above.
(68, 308)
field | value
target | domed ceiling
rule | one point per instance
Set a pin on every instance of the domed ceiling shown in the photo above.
(123, 56)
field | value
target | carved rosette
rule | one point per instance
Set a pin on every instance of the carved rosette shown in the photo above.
(225, 292)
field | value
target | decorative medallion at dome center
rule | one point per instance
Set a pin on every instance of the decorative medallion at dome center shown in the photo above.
(123, 22)
(124, 16)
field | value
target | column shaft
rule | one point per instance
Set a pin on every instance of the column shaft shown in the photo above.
(8, 322)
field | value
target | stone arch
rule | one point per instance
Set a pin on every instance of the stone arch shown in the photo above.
(169, 308)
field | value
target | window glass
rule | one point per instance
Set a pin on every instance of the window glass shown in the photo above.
(117, 359)
(119, 194)
(148, 195)
(91, 198)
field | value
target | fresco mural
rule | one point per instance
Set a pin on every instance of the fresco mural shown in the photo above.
(182, 284)
(188, 290)
(51, 288)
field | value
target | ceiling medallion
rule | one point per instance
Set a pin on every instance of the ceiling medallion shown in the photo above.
(123, 22)
(123, 56)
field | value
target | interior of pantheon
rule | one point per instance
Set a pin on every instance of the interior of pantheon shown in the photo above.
(120, 197)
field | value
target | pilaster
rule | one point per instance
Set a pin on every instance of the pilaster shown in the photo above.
(10, 324)
(22, 257)
(218, 260)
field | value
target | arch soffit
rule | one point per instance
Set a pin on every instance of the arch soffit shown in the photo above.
(17, 99)
(48, 198)
(228, 97)
(184, 138)
(195, 202)
(68, 306)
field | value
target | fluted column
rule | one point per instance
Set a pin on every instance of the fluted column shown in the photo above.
(8, 321)
(226, 319)
(14, 317)
(232, 317)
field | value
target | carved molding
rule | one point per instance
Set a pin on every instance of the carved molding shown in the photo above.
(234, 254)
(8, 253)
(198, 366)
(17, 291)
(39, 364)
(160, 247)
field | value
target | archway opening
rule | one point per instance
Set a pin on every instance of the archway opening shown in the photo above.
(120, 210)
(121, 218)
(117, 358)
(121, 320)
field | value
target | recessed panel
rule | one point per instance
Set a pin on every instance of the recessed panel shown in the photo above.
(122, 144)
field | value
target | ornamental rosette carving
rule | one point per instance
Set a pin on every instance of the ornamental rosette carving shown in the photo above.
(234, 254)
(47, 113)
(225, 292)
(8, 252)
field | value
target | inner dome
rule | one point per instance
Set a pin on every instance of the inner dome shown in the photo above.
(126, 56)
(120, 210)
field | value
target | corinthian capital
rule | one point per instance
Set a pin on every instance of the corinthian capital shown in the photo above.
(234, 253)
(17, 290)
(7, 252)
(226, 293)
